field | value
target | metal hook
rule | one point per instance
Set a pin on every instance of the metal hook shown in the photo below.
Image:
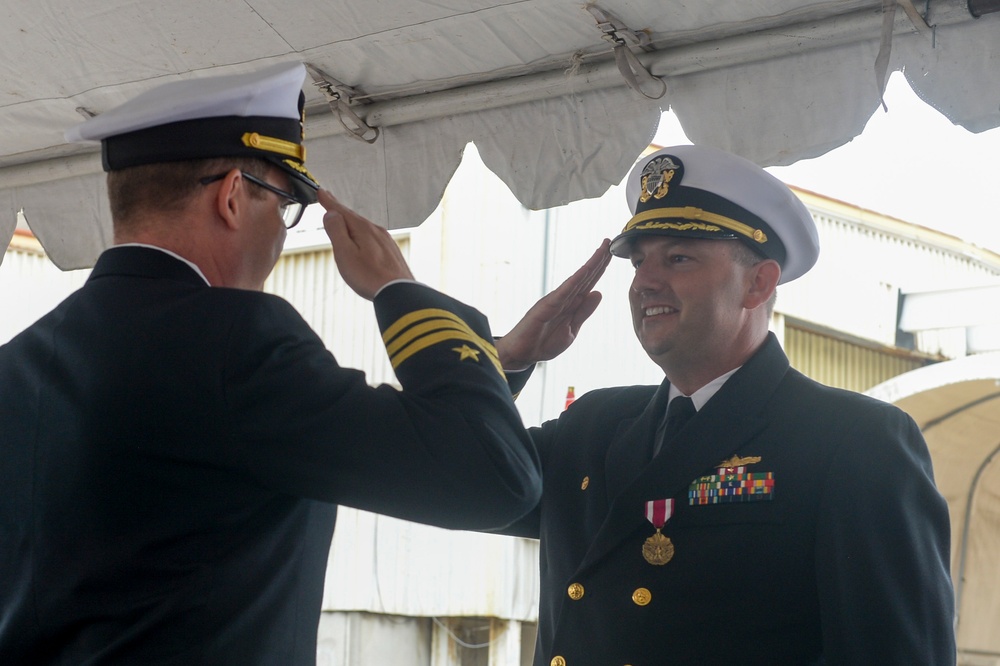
(338, 96)
(622, 37)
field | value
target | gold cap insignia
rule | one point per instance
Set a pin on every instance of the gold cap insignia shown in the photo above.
(655, 178)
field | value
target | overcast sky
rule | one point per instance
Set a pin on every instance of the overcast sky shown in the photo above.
(910, 163)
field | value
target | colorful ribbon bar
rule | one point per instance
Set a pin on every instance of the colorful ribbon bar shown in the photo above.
(731, 487)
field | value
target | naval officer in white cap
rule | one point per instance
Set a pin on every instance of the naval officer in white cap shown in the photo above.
(762, 518)
(175, 442)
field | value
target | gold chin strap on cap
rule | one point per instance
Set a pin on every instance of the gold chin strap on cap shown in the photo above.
(273, 145)
(699, 214)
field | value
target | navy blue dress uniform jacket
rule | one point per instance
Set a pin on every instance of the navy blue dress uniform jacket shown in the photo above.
(843, 560)
(171, 458)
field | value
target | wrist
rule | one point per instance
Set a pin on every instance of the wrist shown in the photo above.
(509, 360)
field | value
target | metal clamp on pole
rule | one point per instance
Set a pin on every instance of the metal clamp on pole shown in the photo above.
(339, 95)
(623, 38)
(918, 20)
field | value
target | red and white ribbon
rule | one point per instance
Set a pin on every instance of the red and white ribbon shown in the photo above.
(658, 512)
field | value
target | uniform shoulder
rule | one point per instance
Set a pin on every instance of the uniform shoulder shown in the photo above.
(253, 315)
(246, 299)
(832, 399)
(619, 398)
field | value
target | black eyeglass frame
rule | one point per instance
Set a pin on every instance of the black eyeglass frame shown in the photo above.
(208, 180)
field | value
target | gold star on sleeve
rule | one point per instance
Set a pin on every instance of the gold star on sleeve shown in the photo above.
(465, 351)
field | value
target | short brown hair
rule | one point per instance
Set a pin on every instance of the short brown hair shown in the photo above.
(167, 187)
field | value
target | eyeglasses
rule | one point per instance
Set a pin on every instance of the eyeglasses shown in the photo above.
(291, 208)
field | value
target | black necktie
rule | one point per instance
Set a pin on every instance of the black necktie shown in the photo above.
(679, 412)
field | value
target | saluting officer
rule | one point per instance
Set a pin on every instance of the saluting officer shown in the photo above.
(785, 522)
(174, 442)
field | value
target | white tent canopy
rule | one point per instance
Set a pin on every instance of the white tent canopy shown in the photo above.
(957, 406)
(554, 108)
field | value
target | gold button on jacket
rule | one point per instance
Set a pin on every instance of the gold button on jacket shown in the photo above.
(642, 597)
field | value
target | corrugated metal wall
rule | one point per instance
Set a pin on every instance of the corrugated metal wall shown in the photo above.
(309, 280)
(843, 363)
(386, 565)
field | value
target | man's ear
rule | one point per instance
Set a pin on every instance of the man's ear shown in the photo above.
(228, 200)
(764, 277)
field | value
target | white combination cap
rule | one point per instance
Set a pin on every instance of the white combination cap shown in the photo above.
(703, 192)
(259, 114)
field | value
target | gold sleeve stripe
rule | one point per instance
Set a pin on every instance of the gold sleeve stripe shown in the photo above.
(406, 336)
(433, 325)
(433, 313)
(692, 213)
(415, 316)
(426, 341)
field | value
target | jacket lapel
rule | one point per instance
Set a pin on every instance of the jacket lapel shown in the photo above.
(726, 422)
(632, 450)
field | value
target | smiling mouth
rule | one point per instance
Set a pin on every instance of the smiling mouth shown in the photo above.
(658, 310)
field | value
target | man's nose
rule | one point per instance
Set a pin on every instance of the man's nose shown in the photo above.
(645, 278)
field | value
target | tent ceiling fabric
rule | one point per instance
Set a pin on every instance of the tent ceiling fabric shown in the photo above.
(957, 406)
(533, 82)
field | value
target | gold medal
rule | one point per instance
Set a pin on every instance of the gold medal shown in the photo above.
(657, 549)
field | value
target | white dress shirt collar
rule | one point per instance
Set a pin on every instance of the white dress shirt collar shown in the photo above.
(705, 393)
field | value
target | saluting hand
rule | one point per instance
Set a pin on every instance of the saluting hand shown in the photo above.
(551, 325)
(366, 255)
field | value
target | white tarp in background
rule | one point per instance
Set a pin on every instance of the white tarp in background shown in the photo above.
(533, 82)
(957, 406)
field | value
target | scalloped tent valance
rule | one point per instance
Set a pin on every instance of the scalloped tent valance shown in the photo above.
(559, 97)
